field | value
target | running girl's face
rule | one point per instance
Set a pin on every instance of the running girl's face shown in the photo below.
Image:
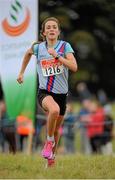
(51, 30)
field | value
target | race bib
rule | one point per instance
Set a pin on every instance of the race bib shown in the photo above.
(51, 67)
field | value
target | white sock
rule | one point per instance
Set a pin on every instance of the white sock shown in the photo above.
(53, 157)
(50, 138)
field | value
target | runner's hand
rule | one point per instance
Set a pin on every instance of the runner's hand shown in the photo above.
(20, 79)
(52, 52)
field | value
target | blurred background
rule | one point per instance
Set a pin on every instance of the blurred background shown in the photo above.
(89, 26)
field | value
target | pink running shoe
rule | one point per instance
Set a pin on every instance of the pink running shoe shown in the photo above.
(47, 150)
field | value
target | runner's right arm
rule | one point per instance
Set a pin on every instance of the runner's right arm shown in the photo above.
(25, 62)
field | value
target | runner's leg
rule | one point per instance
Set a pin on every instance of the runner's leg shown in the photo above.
(53, 109)
(59, 122)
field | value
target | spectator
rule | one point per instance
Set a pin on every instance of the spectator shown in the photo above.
(82, 116)
(102, 97)
(7, 129)
(108, 132)
(83, 91)
(95, 126)
(69, 130)
(24, 128)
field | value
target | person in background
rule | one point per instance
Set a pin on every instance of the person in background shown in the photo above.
(2, 139)
(54, 58)
(108, 133)
(7, 130)
(102, 97)
(84, 96)
(95, 125)
(69, 129)
(83, 116)
(23, 127)
(83, 91)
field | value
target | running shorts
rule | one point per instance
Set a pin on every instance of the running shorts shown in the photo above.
(60, 99)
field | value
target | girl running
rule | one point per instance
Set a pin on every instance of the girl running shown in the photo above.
(54, 58)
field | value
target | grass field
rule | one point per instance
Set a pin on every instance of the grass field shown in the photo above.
(67, 167)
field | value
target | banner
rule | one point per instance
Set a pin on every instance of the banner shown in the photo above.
(18, 30)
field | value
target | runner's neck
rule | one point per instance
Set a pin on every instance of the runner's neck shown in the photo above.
(51, 44)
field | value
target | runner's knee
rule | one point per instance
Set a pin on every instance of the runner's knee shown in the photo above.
(54, 111)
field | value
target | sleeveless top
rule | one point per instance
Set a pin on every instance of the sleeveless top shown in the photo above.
(53, 75)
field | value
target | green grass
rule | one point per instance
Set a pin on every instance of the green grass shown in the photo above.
(67, 167)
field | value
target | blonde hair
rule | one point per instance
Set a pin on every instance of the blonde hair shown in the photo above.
(44, 22)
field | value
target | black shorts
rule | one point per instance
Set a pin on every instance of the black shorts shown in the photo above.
(60, 99)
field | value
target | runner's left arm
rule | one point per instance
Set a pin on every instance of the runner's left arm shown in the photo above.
(68, 60)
